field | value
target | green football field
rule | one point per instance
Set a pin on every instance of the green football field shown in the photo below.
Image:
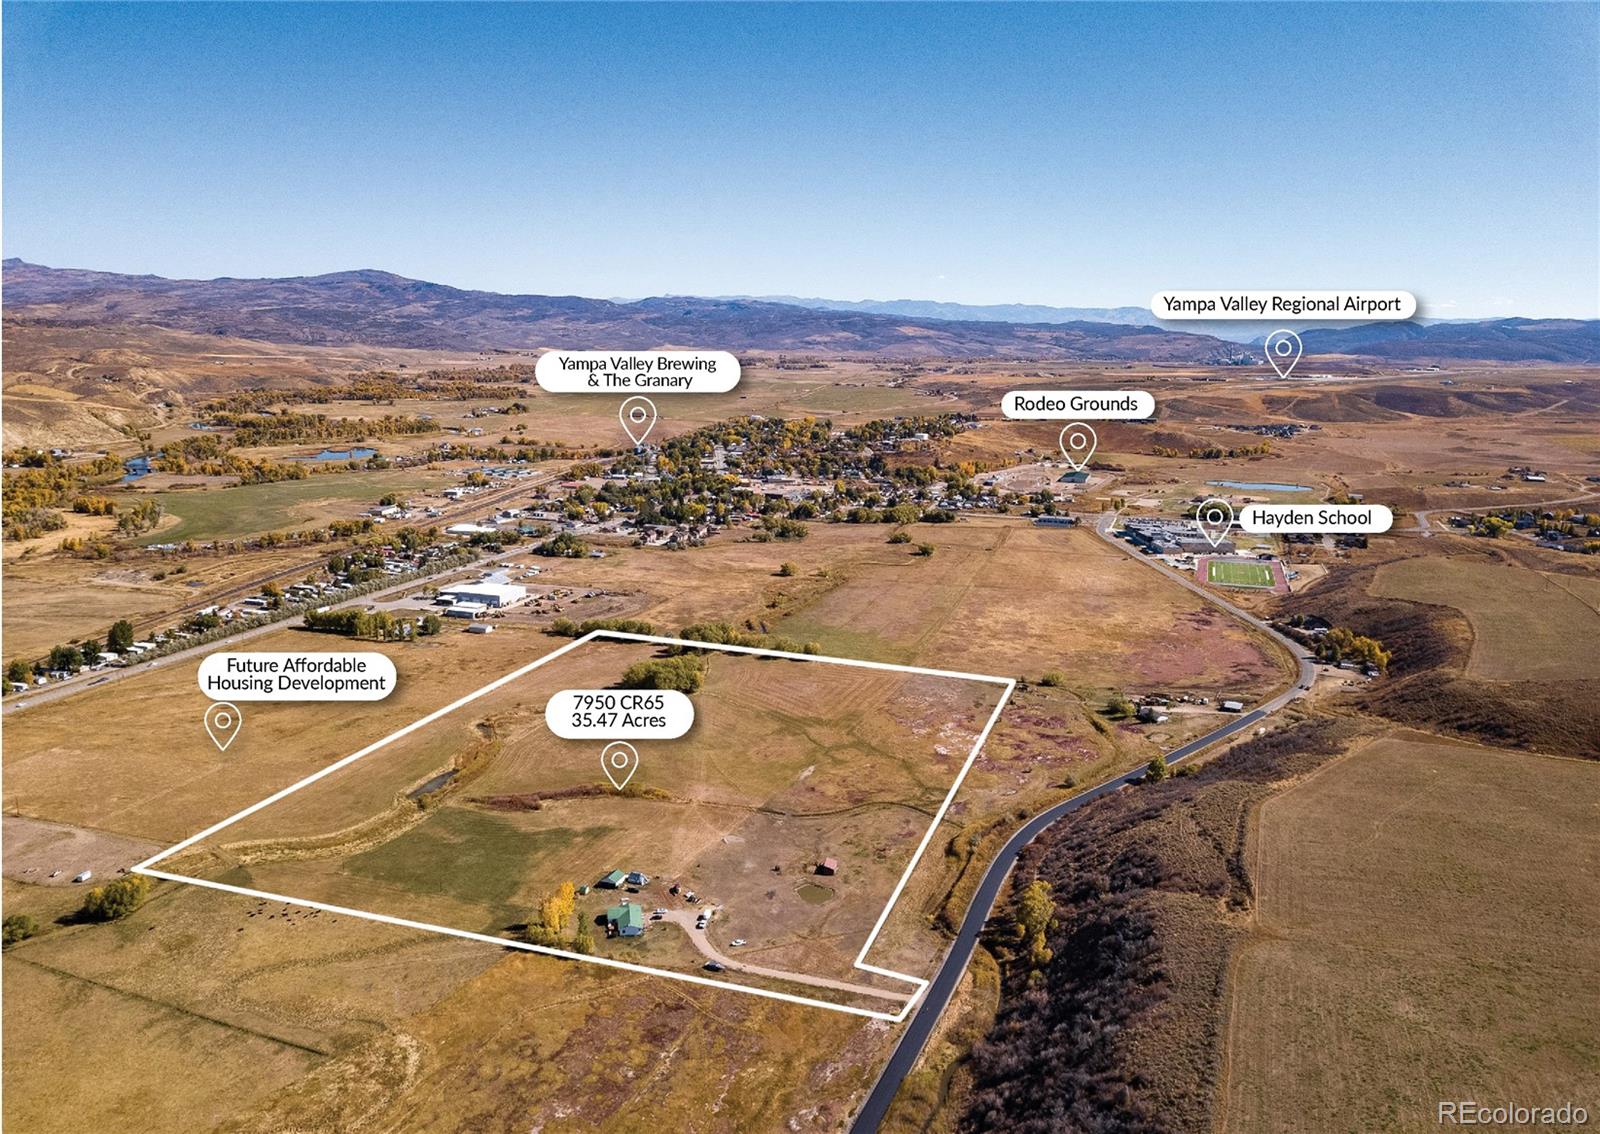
(1228, 573)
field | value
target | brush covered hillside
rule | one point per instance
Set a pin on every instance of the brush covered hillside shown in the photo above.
(381, 309)
(1118, 1027)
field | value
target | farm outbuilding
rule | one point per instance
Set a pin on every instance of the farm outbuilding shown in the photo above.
(626, 920)
(612, 881)
(828, 866)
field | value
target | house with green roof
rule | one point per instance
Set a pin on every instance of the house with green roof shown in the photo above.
(626, 920)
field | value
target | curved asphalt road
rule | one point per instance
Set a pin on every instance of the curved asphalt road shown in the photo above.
(938, 993)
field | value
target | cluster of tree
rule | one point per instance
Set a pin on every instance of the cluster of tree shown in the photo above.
(31, 523)
(1342, 644)
(488, 383)
(38, 484)
(208, 455)
(781, 527)
(1035, 911)
(548, 926)
(141, 517)
(565, 545)
(1215, 452)
(1118, 707)
(73, 656)
(252, 429)
(903, 513)
(17, 927)
(115, 899)
(685, 672)
(94, 506)
(566, 628)
(377, 625)
(751, 637)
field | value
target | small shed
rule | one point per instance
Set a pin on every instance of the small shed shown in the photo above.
(828, 866)
(612, 881)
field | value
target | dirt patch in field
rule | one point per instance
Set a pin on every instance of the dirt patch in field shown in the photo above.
(36, 849)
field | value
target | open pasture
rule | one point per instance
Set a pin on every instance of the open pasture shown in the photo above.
(1427, 898)
(788, 763)
(250, 509)
(1003, 596)
(1526, 624)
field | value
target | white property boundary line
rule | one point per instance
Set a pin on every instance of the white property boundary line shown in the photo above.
(146, 867)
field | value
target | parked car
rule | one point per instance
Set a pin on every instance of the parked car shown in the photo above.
(712, 967)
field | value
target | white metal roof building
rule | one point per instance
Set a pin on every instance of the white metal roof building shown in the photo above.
(489, 594)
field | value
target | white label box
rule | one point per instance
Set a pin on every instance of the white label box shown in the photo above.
(636, 371)
(1374, 305)
(364, 676)
(1312, 519)
(1078, 405)
(619, 714)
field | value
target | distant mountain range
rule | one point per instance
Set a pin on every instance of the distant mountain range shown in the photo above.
(1500, 340)
(382, 309)
(967, 312)
(378, 308)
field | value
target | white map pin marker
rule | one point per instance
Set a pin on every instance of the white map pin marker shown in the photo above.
(620, 760)
(1077, 444)
(1283, 351)
(1215, 518)
(223, 722)
(638, 416)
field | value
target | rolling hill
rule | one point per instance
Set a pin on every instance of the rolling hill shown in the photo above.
(382, 309)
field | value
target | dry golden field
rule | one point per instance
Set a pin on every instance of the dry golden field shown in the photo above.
(146, 770)
(788, 763)
(1527, 625)
(266, 1018)
(1426, 930)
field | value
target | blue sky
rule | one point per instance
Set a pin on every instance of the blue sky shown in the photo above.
(1086, 155)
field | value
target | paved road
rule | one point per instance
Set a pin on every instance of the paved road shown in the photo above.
(959, 955)
(1308, 670)
(1424, 518)
(489, 500)
(89, 679)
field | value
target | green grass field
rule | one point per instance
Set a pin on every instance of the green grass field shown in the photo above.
(231, 513)
(1231, 573)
